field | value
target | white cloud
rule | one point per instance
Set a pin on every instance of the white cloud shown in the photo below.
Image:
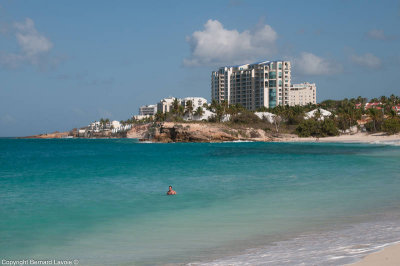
(376, 34)
(30, 40)
(33, 46)
(310, 64)
(216, 45)
(7, 119)
(367, 60)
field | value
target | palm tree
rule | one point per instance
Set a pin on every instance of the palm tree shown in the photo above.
(318, 114)
(374, 114)
(214, 104)
(175, 106)
(199, 112)
(160, 116)
(392, 113)
(181, 110)
(189, 108)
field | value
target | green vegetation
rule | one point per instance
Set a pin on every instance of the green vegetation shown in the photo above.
(391, 125)
(317, 128)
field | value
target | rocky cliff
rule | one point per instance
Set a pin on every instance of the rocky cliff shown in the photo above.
(195, 132)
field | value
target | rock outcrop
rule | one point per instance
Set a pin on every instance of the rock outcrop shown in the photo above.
(140, 131)
(195, 132)
(54, 135)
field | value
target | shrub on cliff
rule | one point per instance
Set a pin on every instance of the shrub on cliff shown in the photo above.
(246, 117)
(328, 128)
(307, 128)
(391, 125)
(315, 128)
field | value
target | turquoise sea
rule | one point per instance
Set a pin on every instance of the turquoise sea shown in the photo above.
(103, 202)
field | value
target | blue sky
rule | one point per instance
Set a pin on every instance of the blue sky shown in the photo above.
(66, 63)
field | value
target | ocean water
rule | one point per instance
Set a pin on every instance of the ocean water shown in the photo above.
(103, 202)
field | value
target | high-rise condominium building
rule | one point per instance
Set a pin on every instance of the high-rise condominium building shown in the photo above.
(302, 94)
(253, 85)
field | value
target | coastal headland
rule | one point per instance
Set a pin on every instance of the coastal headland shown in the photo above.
(166, 132)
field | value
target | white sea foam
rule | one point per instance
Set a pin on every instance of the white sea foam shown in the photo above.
(238, 141)
(387, 142)
(337, 247)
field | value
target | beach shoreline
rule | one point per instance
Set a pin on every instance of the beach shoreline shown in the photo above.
(376, 138)
(389, 256)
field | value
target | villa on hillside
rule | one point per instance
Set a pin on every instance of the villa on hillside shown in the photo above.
(376, 105)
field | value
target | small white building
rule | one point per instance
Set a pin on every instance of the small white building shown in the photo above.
(82, 132)
(323, 114)
(207, 114)
(141, 117)
(115, 124)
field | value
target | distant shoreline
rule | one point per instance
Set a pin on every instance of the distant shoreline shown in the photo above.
(376, 138)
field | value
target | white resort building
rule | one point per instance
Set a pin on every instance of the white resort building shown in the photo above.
(263, 84)
(196, 102)
(148, 109)
(165, 105)
(303, 94)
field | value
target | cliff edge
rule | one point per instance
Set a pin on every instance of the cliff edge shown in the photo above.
(195, 132)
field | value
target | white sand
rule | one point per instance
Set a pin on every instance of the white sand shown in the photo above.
(356, 138)
(390, 256)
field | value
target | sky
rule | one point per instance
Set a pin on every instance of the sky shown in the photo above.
(64, 64)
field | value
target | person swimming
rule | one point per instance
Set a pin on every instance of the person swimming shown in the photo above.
(171, 191)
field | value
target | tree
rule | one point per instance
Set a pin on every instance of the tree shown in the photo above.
(307, 128)
(175, 106)
(160, 116)
(391, 125)
(189, 108)
(317, 128)
(181, 110)
(199, 112)
(392, 113)
(376, 116)
(220, 109)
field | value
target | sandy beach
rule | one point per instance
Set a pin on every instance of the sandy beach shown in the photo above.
(389, 256)
(378, 138)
